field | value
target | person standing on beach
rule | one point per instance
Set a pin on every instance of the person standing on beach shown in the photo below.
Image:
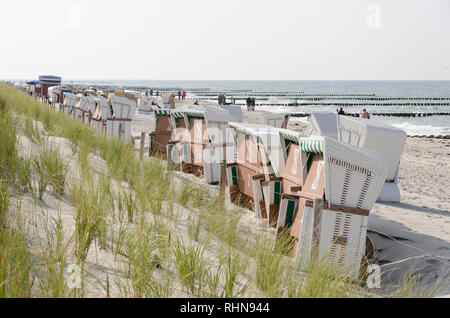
(365, 114)
(179, 94)
(151, 92)
(253, 104)
(341, 111)
(249, 103)
(184, 95)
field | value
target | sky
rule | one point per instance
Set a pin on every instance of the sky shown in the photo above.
(226, 40)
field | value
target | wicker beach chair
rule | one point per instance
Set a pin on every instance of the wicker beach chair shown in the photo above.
(202, 139)
(387, 140)
(70, 101)
(145, 105)
(322, 124)
(348, 179)
(123, 111)
(101, 114)
(160, 137)
(81, 108)
(277, 120)
(254, 179)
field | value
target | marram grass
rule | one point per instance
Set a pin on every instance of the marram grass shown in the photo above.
(138, 225)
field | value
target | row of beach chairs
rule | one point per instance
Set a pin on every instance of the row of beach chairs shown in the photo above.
(112, 117)
(316, 188)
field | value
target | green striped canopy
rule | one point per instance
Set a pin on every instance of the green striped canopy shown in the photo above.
(162, 112)
(177, 115)
(314, 146)
(289, 136)
(195, 114)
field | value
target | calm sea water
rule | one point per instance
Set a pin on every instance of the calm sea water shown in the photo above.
(433, 125)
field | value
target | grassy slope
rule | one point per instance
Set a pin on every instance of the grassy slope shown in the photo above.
(133, 209)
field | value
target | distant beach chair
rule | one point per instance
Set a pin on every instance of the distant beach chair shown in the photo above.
(254, 179)
(145, 105)
(349, 180)
(385, 139)
(81, 108)
(159, 138)
(277, 120)
(69, 103)
(123, 111)
(203, 141)
(101, 114)
(90, 109)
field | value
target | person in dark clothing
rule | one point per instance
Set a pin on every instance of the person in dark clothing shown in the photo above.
(179, 94)
(253, 104)
(151, 92)
(341, 111)
(249, 103)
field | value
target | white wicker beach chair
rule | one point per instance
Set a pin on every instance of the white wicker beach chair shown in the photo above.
(387, 140)
(322, 124)
(123, 111)
(81, 108)
(349, 179)
(145, 105)
(70, 101)
(277, 120)
(101, 114)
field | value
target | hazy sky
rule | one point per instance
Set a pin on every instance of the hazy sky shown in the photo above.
(228, 39)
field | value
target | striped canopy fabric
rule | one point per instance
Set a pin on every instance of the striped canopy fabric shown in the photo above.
(177, 115)
(314, 146)
(162, 112)
(288, 135)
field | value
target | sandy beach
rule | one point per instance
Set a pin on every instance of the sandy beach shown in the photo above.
(410, 236)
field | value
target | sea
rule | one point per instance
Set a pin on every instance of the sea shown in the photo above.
(418, 97)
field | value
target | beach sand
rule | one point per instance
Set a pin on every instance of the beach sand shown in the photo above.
(412, 236)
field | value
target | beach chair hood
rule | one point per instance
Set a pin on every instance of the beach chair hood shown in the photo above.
(323, 124)
(269, 137)
(387, 140)
(346, 166)
(122, 107)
